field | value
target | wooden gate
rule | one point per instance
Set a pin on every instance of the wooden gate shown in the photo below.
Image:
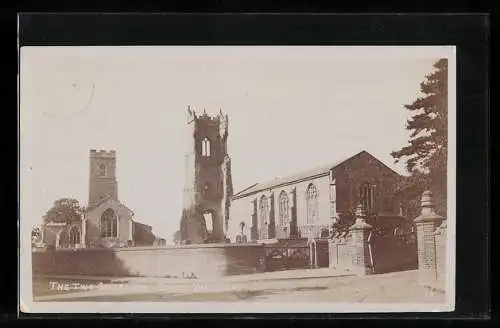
(287, 254)
(393, 250)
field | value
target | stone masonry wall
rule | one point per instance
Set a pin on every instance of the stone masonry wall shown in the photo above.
(100, 186)
(207, 181)
(201, 261)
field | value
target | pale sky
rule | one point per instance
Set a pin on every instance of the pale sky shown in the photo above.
(290, 109)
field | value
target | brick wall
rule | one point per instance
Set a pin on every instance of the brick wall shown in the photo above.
(432, 252)
(202, 261)
(426, 249)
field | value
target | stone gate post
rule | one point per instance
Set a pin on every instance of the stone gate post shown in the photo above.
(441, 258)
(360, 231)
(426, 224)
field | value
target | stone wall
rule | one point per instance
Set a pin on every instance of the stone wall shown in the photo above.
(341, 252)
(200, 261)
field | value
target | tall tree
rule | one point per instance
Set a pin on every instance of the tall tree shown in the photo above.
(425, 155)
(64, 210)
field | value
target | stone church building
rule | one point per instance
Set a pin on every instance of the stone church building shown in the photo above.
(106, 222)
(303, 205)
(306, 204)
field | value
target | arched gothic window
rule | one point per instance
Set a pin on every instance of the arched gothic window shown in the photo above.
(74, 236)
(366, 197)
(109, 223)
(102, 170)
(312, 203)
(205, 147)
(264, 211)
(63, 239)
(209, 221)
(283, 210)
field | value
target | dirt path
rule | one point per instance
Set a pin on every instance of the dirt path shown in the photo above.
(284, 287)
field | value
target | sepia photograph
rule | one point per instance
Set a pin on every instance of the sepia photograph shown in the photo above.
(237, 179)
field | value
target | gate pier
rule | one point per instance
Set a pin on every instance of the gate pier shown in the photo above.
(360, 231)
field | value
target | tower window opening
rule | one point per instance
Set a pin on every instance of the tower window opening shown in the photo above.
(102, 170)
(209, 221)
(205, 147)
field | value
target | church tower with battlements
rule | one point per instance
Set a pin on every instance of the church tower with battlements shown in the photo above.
(102, 177)
(208, 186)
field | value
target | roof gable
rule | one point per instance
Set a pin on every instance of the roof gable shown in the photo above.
(103, 200)
(301, 176)
(370, 156)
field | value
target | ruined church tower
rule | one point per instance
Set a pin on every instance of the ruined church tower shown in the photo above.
(208, 186)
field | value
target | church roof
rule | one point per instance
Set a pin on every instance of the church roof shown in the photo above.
(103, 200)
(306, 174)
(146, 226)
(297, 177)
